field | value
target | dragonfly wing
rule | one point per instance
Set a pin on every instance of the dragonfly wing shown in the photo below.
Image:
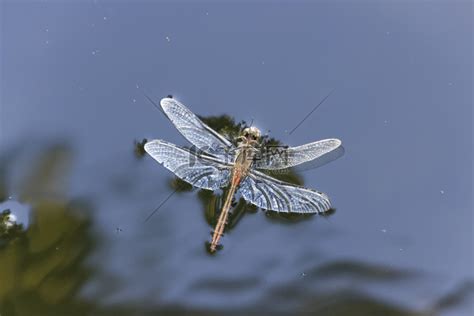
(199, 170)
(194, 130)
(320, 152)
(271, 194)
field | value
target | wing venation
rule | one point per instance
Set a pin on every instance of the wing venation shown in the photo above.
(273, 158)
(196, 131)
(271, 194)
(198, 170)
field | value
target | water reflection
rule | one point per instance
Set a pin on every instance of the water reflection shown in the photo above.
(42, 267)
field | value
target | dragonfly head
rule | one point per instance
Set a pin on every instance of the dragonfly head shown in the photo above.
(251, 134)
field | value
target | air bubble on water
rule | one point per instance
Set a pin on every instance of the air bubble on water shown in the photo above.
(168, 39)
(441, 191)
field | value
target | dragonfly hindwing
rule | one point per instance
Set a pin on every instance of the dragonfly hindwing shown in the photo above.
(199, 170)
(271, 194)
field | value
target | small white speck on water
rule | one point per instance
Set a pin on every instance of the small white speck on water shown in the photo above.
(168, 39)
(137, 86)
(46, 42)
(263, 62)
(46, 30)
(105, 18)
(93, 52)
(441, 191)
(401, 249)
(383, 230)
(385, 122)
(303, 274)
(207, 13)
(9, 197)
(134, 100)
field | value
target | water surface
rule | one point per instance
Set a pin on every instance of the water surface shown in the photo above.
(72, 108)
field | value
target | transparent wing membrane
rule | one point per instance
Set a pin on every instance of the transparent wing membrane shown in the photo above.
(272, 158)
(195, 131)
(199, 170)
(210, 167)
(271, 194)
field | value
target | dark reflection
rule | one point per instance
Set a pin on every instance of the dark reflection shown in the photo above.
(345, 299)
(353, 269)
(42, 267)
(458, 297)
(140, 148)
(354, 303)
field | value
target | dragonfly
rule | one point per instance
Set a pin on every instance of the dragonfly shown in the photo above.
(214, 162)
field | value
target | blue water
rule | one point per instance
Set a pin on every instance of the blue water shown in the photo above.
(72, 106)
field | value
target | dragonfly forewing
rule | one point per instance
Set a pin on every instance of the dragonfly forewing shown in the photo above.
(196, 131)
(279, 157)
